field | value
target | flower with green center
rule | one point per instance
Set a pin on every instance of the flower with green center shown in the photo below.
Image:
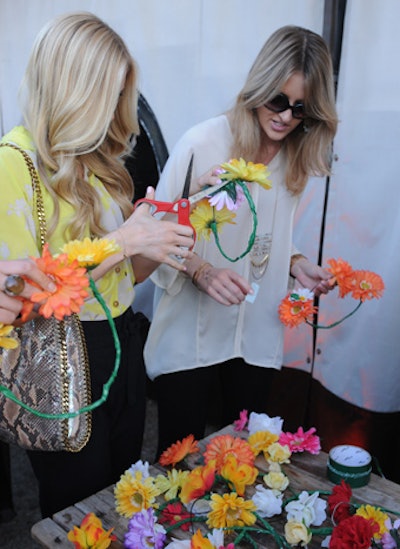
(133, 493)
(90, 252)
(246, 171)
(205, 217)
(229, 510)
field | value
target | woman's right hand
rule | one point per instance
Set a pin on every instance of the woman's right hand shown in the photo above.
(157, 240)
(10, 307)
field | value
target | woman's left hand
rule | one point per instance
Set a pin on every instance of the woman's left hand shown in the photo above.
(312, 276)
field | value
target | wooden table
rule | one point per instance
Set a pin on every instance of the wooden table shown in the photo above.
(306, 472)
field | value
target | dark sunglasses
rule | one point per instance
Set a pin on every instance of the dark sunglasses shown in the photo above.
(280, 103)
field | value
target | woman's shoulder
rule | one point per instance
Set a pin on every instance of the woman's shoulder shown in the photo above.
(217, 126)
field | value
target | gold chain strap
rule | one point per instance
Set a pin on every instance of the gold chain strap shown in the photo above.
(37, 192)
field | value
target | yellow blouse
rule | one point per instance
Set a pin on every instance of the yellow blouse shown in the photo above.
(20, 234)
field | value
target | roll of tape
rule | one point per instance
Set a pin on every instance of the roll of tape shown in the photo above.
(350, 463)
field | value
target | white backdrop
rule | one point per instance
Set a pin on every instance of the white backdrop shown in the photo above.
(193, 57)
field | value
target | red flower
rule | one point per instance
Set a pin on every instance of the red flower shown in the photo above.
(339, 502)
(354, 532)
(343, 275)
(173, 513)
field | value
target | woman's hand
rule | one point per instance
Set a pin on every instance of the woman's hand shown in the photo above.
(10, 307)
(312, 276)
(156, 240)
(224, 285)
(208, 179)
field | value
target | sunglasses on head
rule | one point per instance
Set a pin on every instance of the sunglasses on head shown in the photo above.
(280, 103)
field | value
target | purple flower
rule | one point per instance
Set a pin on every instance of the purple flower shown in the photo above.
(144, 532)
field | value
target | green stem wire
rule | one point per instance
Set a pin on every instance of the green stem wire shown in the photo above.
(106, 387)
(321, 327)
(214, 228)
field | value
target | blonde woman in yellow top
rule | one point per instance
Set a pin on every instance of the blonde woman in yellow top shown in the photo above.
(79, 106)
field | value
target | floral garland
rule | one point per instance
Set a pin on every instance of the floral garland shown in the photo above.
(237, 485)
(218, 209)
(70, 272)
(298, 305)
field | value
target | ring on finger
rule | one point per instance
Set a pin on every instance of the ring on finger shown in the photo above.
(14, 285)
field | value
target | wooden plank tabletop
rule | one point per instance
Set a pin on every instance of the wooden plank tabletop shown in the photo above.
(306, 472)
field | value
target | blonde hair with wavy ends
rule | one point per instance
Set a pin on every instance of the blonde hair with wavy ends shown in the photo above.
(80, 104)
(290, 49)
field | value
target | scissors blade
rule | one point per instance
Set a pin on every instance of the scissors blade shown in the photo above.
(208, 191)
(188, 179)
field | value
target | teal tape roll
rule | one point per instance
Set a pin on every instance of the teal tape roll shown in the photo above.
(350, 463)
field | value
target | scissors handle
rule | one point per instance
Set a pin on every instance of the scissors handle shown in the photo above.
(180, 207)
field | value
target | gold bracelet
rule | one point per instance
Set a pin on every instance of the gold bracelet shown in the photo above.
(294, 259)
(198, 272)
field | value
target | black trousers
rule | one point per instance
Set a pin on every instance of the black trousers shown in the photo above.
(188, 400)
(117, 425)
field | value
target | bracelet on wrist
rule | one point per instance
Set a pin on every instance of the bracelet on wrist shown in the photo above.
(198, 272)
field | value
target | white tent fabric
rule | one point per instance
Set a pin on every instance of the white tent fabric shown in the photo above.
(359, 360)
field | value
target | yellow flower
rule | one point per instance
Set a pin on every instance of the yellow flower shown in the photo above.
(171, 484)
(238, 475)
(6, 341)
(132, 493)
(239, 169)
(230, 510)
(297, 533)
(374, 513)
(276, 480)
(260, 441)
(204, 215)
(277, 453)
(90, 253)
(91, 534)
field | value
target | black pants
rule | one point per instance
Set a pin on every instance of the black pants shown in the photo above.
(185, 399)
(117, 425)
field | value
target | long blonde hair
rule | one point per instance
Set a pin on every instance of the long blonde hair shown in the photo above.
(80, 104)
(289, 50)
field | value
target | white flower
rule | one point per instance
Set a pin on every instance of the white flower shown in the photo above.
(262, 422)
(268, 502)
(304, 294)
(140, 467)
(309, 509)
(326, 542)
(217, 537)
(178, 544)
(223, 199)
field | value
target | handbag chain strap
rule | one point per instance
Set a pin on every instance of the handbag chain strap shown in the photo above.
(37, 191)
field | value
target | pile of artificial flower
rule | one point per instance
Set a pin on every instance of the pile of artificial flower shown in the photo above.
(236, 494)
(219, 207)
(298, 305)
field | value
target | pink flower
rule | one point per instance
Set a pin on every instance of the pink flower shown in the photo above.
(301, 441)
(230, 199)
(240, 424)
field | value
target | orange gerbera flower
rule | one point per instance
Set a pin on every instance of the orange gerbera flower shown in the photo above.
(222, 446)
(295, 309)
(238, 475)
(343, 275)
(179, 450)
(367, 285)
(261, 440)
(198, 482)
(71, 283)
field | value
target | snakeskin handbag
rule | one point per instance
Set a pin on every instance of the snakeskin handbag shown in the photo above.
(48, 372)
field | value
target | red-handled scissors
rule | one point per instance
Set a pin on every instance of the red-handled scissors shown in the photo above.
(181, 207)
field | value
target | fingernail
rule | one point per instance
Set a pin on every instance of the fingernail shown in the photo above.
(218, 171)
